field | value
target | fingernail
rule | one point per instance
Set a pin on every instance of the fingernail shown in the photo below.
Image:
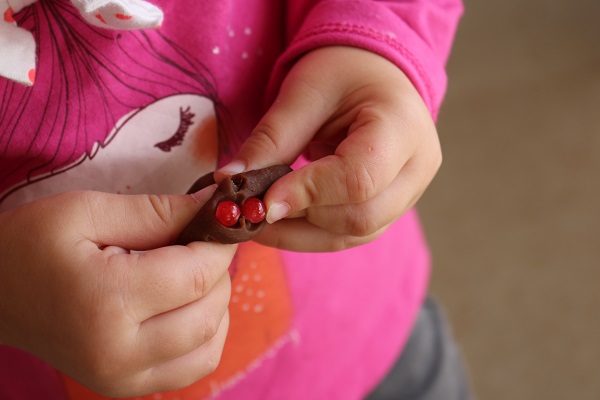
(234, 167)
(278, 211)
(202, 195)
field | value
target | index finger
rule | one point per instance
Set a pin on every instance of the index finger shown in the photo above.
(362, 166)
(167, 278)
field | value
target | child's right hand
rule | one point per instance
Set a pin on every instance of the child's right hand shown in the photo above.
(121, 324)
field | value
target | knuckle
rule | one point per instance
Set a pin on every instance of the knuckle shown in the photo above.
(203, 281)
(338, 244)
(210, 327)
(312, 191)
(343, 242)
(265, 138)
(361, 224)
(212, 362)
(185, 340)
(90, 205)
(206, 364)
(360, 184)
(163, 209)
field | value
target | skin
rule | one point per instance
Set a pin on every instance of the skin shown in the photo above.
(121, 324)
(131, 324)
(372, 142)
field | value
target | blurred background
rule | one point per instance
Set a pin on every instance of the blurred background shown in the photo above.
(513, 216)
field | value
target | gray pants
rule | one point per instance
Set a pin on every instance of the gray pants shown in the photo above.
(430, 367)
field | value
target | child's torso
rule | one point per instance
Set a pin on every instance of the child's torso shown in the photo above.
(151, 111)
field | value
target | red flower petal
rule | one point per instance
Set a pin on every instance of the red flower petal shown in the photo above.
(123, 16)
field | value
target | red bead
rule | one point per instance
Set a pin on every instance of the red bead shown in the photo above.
(254, 210)
(228, 213)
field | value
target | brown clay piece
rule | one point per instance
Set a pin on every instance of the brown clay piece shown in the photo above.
(237, 188)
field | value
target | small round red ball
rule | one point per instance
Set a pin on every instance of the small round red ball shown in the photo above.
(254, 210)
(228, 213)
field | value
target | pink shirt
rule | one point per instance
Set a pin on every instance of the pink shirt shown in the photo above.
(150, 111)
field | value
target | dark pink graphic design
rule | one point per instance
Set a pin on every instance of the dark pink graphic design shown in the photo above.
(89, 81)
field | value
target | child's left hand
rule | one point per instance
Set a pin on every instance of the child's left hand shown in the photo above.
(372, 142)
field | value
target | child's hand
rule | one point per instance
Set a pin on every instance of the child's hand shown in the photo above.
(373, 144)
(122, 324)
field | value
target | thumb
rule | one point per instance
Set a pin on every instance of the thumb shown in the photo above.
(284, 131)
(138, 222)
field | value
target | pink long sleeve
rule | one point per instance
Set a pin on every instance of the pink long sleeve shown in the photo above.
(303, 326)
(414, 34)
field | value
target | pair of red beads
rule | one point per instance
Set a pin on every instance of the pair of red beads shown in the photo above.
(228, 212)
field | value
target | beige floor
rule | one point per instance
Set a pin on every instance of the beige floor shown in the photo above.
(513, 216)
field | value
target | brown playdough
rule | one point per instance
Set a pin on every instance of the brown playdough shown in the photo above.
(237, 188)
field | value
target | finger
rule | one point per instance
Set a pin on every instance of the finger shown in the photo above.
(303, 105)
(138, 222)
(363, 165)
(368, 217)
(167, 278)
(302, 236)
(190, 368)
(173, 334)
